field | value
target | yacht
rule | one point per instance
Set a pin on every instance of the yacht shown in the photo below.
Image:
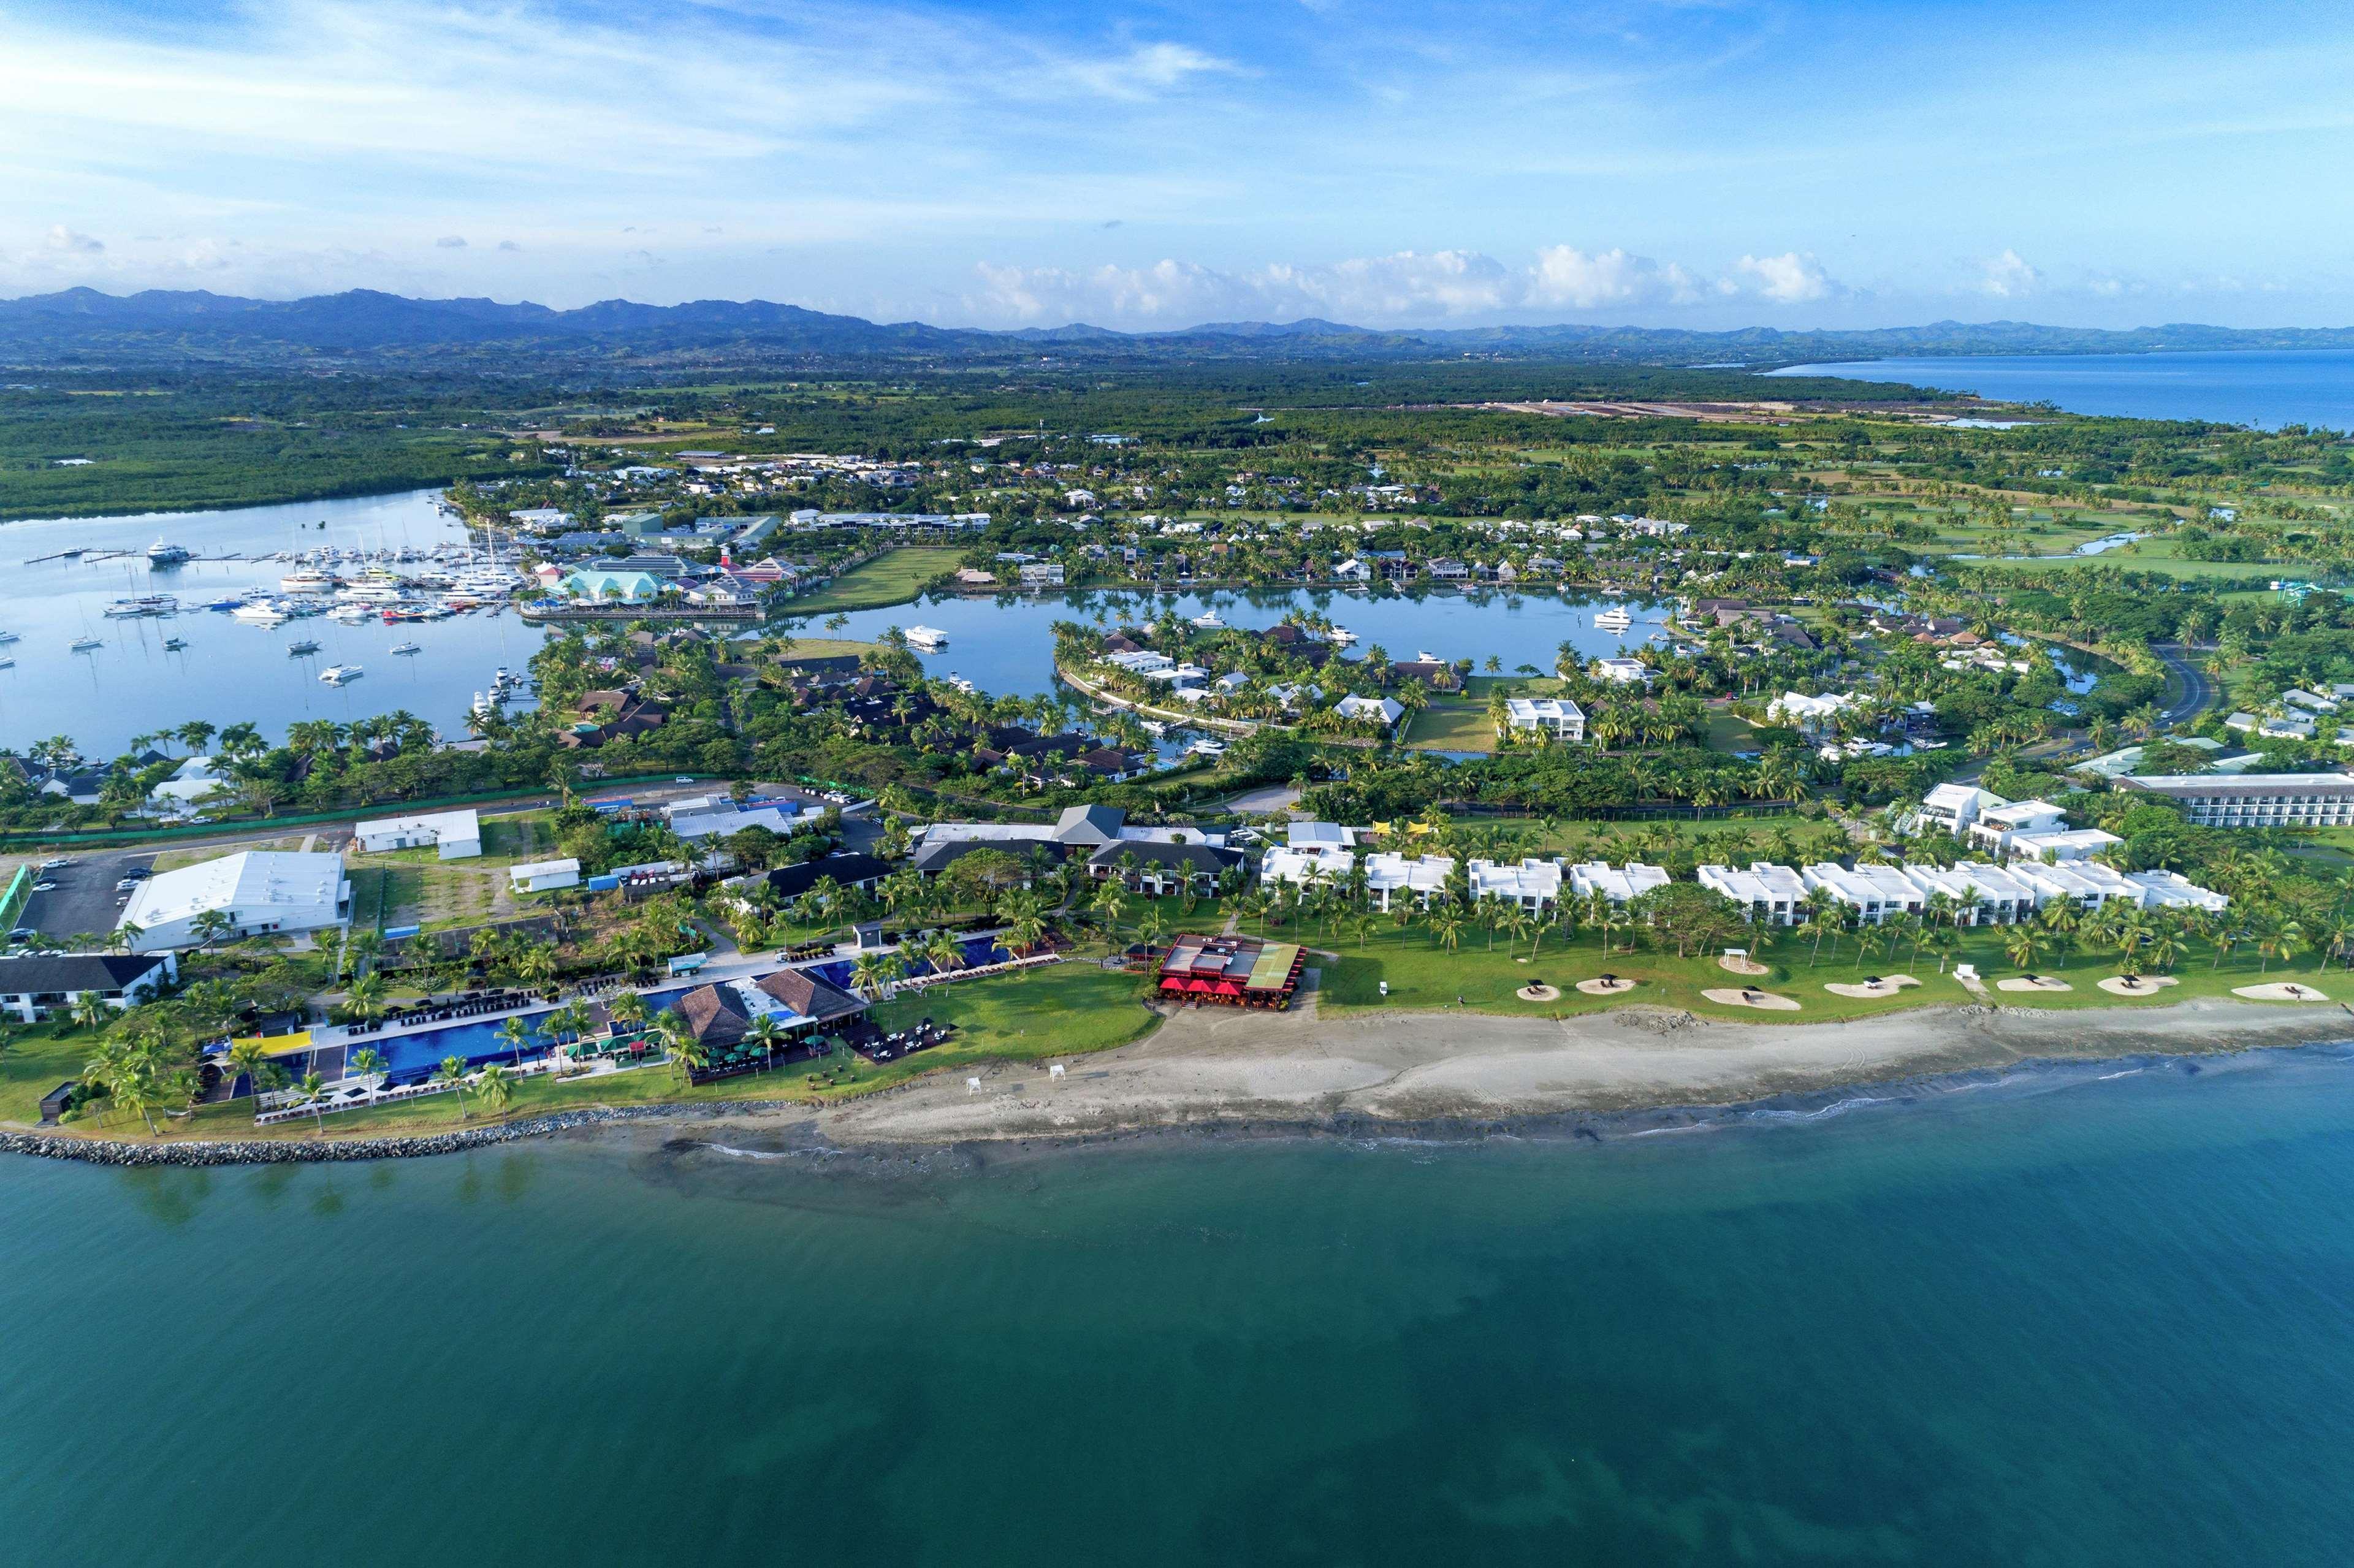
(231, 603)
(84, 644)
(303, 649)
(930, 638)
(9, 635)
(1615, 618)
(370, 591)
(7, 662)
(336, 675)
(1339, 637)
(258, 612)
(306, 579)
(484, 706)
(1425, 656)
(408, 648)
(146, 604)
(1208, 622)
(961, 684)
(1207, 746)
(160, 554)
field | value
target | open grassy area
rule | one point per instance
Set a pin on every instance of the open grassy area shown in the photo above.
(1451, 726)
(891, 578)
(1423, 975)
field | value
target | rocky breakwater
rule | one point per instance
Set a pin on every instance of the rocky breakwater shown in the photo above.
(285, 1151)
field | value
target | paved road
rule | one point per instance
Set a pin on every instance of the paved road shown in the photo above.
(2198, 691)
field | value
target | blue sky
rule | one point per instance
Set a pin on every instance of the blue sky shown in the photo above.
(1707, 163)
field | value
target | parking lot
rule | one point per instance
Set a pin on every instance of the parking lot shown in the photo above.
(83, 898)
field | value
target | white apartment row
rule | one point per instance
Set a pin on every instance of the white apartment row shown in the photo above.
(1978, 892)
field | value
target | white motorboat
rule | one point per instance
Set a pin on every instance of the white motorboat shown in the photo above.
(160, 554)
(258, 612)
(84, 644)
(336, 675)
(309, 580)
(1425, 656)
(1339, 637)
(408, 648)
(9, 635)
(1208, 622)
(1207, 745)
(930, 638)
(961, 684)
(1615, 618)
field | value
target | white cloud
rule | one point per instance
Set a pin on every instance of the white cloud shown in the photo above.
(1404, 287)
(1565, 275)
(450, 242)
(1790, 279)
(74, 241)
(1147, 71)
(2009, 277)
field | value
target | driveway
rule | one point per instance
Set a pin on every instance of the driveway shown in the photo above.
(2197, 690)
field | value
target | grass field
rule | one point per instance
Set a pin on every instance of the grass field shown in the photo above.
(1423, 975)
(1451, 726)
(891, 578)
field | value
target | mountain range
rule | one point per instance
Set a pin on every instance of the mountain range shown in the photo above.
(364, 328)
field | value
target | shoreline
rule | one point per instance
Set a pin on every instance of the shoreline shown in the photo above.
(1434, 1075)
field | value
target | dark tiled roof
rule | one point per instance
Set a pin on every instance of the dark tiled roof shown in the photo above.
(810, 997)
(73, 971)
(793, 881)
(1195, 857)
(715, 1015)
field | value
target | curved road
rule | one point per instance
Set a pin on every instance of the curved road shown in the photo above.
(2199, 689)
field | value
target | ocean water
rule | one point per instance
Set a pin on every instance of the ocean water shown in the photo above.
(2089, 1317)
(2262, 387)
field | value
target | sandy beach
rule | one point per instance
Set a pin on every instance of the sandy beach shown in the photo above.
(1209, 1068)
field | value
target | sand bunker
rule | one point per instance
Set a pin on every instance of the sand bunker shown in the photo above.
(1740, 966)
(1871, 991)
(1609, 986)
(1764, 1001)
(1537, 990)
(2032, 982)
(2139, 985)
(2279, 991)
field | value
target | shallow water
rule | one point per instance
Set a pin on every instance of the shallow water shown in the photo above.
(2093, 1316)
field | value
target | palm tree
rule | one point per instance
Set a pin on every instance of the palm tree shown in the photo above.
(364, 999)
(515, 1034)
(211, 926)
(866, 976)
(626, 1008)
(369, 1063)
(307, 1092)
(497, 1087)
(452, 1072)
(1447, 928)
(943, 952)
(2024, 943)
(251, 1058)
(686, 1053)
(90, 1010)
(766, 1034)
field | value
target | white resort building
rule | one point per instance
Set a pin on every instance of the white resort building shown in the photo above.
(1555, 716)
(259, 891)
(1532, 884)
(454, 835)
(1874, 893)
(1621, 885)
(1774, 894)
(1389, 877)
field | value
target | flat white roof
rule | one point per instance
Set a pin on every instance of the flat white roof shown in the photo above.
(1617, 884)
(544, 868)
(465, 825)
(255, 881)
(1761, 882)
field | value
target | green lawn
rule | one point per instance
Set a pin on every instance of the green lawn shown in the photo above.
(1423, 975)
(891, 578)
(1452, 726)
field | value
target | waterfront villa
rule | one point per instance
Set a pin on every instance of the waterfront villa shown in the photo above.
(1421, 879)
(1981, 894)
(1620, 884)
(454, 835)
(1873, 893)
(1557, 716)
(1774, 894)
(285, 892)
(802, 1002)
(1532, 884)
(34, 987)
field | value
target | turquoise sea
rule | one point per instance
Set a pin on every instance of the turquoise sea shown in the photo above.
(2266, 387)
(2085, 1317)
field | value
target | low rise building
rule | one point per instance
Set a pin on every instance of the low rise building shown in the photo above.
(1978, 893)
(1308, 865)
(2256, 799)
(258, 890)
(1532, 884)
(543, 875)
(39, 986)
(1775, 894)
(1621, 885)
(453, 835)
(1391, 876)
(1555, 716)
(1872, 894)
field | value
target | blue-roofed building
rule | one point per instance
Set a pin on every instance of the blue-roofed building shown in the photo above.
(599, 585)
